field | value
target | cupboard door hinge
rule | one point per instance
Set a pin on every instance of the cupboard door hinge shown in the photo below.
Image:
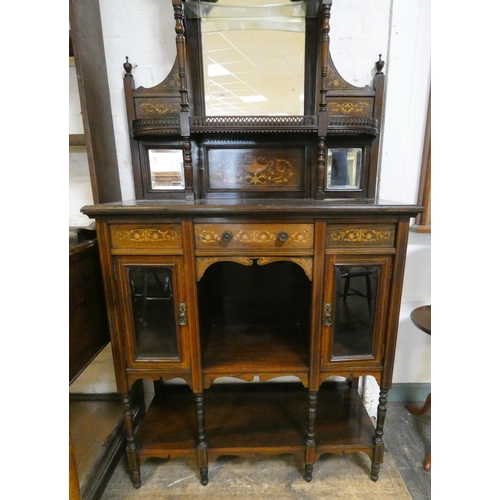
(383, 351)
(115, 273)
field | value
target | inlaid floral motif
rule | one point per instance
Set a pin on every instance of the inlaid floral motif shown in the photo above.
(252, 236)
(254, 171)
(149, 235)
(361, 235)
(349, 108)
(159, 108)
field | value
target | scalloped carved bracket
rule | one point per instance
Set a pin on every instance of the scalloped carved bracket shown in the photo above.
(203, 263)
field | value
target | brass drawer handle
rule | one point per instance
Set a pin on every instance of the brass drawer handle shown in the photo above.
(282, 236)
(227, 236)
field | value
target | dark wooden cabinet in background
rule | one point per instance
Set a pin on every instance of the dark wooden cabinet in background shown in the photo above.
(256, 249)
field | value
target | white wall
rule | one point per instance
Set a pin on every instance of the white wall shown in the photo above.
(360, 31)
(80, 190)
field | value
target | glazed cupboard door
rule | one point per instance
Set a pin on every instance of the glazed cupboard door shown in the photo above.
(153, 311)
(354, 311)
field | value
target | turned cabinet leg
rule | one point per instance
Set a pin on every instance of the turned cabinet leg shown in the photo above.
(131, 450)
(202, 442)
(311, 436)
(378, 451)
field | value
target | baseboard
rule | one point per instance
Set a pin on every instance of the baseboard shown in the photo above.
(409, 392)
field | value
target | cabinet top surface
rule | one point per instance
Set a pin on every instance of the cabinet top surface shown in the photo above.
(254, 207)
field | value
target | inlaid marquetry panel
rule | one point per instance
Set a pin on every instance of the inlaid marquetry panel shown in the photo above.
(256, 169)
(156, 107)
(135, 236)
(257, 237)
(362, 107)
(203, 263)
(368, 235)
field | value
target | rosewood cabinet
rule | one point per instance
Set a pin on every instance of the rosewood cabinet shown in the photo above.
(305, 290)
(256, 253)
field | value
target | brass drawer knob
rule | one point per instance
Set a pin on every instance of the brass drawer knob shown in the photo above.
(282, 236)
(227, 236)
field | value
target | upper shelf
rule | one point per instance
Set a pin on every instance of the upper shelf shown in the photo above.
(336, 124)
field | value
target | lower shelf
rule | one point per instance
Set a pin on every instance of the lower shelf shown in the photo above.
(258, 418)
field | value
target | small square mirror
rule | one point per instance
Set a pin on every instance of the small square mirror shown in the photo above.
(166, 169)
(343, 171)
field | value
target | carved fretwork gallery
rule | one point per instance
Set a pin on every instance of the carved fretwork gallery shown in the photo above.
(256, 249)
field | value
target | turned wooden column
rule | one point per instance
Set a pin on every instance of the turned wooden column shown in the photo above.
(311, 436)
(131, 450)
(323, 114)
(180, 42)
(378, 451)
(202, 443)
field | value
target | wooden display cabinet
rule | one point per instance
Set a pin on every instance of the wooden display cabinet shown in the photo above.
(273, 258)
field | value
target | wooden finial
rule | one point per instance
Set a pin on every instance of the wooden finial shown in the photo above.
(127, 66)
(379, 64)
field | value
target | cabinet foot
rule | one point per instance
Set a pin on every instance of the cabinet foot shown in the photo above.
(204, 475)
(309, 473)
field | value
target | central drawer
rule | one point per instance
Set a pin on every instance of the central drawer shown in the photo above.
(268, 238)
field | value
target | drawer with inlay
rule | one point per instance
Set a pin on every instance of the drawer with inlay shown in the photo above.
(151, 237)
(268, 238)
(360, 235)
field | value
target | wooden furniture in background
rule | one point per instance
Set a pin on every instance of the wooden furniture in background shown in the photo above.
(88, 323)
(421, 317)
(95, 421)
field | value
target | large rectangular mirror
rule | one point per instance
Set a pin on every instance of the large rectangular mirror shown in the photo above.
(253, 56)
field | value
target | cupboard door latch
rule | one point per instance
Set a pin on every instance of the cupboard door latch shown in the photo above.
(182, 314)
(327, 315)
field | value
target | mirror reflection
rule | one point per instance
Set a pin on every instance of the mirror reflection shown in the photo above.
(153, 309)
(166, 169)
(356, 291)
(343, 169)
(253, 59)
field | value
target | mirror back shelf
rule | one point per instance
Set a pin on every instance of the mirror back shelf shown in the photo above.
(181, 152)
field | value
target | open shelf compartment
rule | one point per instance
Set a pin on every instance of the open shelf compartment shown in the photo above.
(250, 313)
(255, 418)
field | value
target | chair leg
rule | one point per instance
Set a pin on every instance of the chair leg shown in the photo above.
(420, 411)
(415, 410)
(427, 462)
